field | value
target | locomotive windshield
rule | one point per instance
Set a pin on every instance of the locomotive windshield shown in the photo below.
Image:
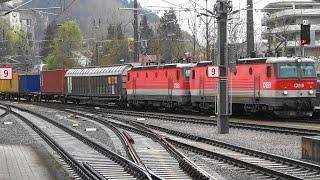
(288, 70)
(295, 70)
(307, 71)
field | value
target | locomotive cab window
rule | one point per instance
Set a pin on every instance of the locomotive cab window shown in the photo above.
(269, 71)
(307, 70)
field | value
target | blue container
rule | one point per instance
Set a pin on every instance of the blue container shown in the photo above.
(29, 84)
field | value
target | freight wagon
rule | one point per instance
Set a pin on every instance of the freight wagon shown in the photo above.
(52, 85)
(106, 84)
(29, 87)
(9, 88)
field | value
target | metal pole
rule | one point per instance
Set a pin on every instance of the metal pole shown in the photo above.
(223, 104)
(97, 54)
(250, 30)
(194, 32)
(136, 35)
(207, 33)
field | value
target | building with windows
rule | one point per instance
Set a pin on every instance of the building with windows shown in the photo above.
(282, 21)
(12, 18)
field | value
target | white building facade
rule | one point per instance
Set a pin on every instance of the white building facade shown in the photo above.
(282, 23)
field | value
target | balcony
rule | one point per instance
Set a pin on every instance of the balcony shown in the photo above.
(291, 29)
(292, 44)
(296, 12)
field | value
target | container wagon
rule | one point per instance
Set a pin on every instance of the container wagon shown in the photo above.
(9, 89)
(29, 87)
(52, 85)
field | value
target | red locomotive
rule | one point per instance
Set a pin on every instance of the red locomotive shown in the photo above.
(284, 86)
(163, 85)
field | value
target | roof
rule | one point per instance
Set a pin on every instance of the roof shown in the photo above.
(288, 59)
(99, 71)
(164, 66)
(289, 4)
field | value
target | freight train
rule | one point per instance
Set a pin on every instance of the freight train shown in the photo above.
(284, 86)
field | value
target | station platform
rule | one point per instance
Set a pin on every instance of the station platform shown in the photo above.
(23, 163)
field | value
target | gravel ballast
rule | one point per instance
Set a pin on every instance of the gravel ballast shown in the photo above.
(102, 133)
(18, 133)
(276, 143)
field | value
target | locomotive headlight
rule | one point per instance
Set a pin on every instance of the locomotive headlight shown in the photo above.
(285, 92)
(310, 92)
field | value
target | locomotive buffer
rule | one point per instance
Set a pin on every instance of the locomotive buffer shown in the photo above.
(222, 8)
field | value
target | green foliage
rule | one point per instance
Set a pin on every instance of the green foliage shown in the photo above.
(48, 44)
(3, 34)
(17, 42)
(146, 34)
(117, 49)
(169, 44)
(68, 39)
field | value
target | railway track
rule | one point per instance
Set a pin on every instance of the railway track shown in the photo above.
(265, 164)
(157, 154)
(210, 122)
(196, 120)
(89, 160)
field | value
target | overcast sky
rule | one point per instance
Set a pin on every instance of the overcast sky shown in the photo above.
(183, 16)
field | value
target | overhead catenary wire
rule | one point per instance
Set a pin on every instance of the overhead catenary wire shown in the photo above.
(64, 10)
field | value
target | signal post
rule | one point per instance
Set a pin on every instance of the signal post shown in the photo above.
(222, 8)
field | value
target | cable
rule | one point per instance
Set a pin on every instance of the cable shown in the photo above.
(73, 1)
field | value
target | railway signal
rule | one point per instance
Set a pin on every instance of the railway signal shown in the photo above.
(305, 34)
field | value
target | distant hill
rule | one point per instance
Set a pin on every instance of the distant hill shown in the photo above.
(88, 12)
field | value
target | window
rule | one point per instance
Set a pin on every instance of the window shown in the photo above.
(288, 70)
(269, 71)
(307, 71)
(250, 71)
(156, 75)
(178, 74)
(128, 77)
(147, 75)
(193, 74)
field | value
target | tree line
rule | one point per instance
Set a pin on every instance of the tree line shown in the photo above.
(165, 40)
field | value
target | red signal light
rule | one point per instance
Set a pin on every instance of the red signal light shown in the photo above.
(304, 41)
